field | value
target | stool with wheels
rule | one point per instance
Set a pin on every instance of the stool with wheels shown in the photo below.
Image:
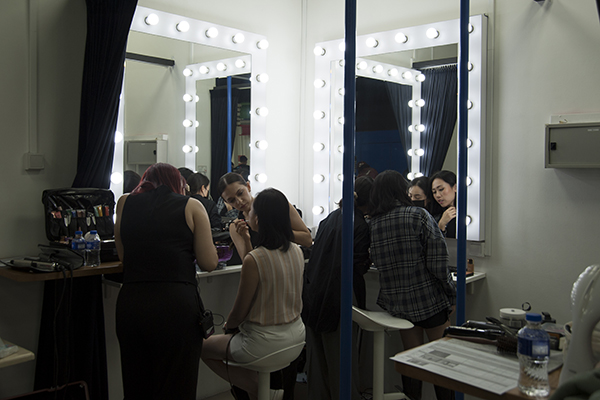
(378, 322)
(270, 363)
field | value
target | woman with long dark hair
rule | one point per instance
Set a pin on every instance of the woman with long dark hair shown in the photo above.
(159, 232)
(443, 189)
(410, 253)
(266, 312)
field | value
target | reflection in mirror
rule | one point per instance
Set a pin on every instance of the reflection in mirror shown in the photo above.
(329, 96)
(201, 42)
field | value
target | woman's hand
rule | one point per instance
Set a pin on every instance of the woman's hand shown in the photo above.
(240, 227)
(448, 216)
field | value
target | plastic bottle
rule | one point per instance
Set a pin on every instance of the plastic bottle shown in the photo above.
(78, 243)
(533, 352)
(92, 249)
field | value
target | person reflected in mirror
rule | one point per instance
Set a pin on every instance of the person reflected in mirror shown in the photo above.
(443, 189)
(199, 185)
(364, 169)
(243, 168)
(130, 180)
(159, 232)
(419, 192)
(321, 296)
(410, 253)
(265, 317)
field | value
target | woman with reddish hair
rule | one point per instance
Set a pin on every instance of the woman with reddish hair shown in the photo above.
(159, 232)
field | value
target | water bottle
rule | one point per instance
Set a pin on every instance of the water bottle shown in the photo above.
(92, 249)
(78, 243)
(533, 352)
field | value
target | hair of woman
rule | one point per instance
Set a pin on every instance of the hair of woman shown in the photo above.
(160, 174)
(185, 172)
(274, 226)
(447, 176)
(130, 180)
(228, 179)
(196, 181)
(389, 188)
(362, 191)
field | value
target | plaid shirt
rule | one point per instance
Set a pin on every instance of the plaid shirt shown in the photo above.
(410, 252)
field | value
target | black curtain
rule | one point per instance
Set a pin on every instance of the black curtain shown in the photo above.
(399, 96)
(72, 344)
(438, 115)
(218, 133)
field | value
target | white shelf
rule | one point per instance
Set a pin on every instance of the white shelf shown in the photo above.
(22, 355)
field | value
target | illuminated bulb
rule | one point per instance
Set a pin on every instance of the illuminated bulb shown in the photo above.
(420, 127)
(407, 74)
(392, 72)
(419, 152)
(240, 63)
(468, 220)
(361, 65)
(262, 178)
(432, 33)
(418, 175)
(186, 148)
(410, 128)
(318, 178)
(222, 66)
(203, 69)
(319, 83)
(340, 177)
(318, 147)
(469, 104)
(212, 32)
(471, 28)
(151, 19)
(372, 42)
(183, 26)
(188, 97)
(262, 78)
(196, 124)
(341, 120)
(197, 98)
(342, 47)
(319, 114)
(263, 44)
(187, 72)
(401, 38)
(238, 38)
(118, 137)
(262, 111)
(410, 152)
(196, 149)
(319, 51)
(378, 69)
(420, 78)
(318, 210)
(187, 123)
(420, 103)
(470, 66)
(410, 176)
(261, 144)
(341, 91)
(116, 178)
(341, 148)
(469, 181)
(411, 103)
(469, 143)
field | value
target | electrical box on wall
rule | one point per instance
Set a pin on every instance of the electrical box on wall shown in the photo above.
(574, 145)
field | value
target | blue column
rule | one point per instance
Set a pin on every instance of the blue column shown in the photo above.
(229, 136)
(348, 202)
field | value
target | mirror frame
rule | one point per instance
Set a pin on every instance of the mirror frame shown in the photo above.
(252, 44)
(327, 159)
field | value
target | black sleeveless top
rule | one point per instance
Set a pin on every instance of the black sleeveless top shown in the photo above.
(158, 244)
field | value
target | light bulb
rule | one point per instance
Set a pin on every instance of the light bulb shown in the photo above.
(420, 128)
(151, 19)
(118, 137)
(342, 46)
(419, 152)
(188, 97)
(401, 38)
(340, 177)
(420, 78)
(341, 120)
(318, 178)
(187, 123)
(116, 178)
(410, 128)
(211, 32)
(468, 220)
(196, 149)
(187, 72)
(418, 175)
(221, 67)
(203, 69)
(372, 42)
(318, 114)
(469, 181)
(470, 66)
(392, 72)
(340, 148)
(410, 152)
(262, 44)
(361, 65)
(262, 78)
(318, 147)
(469, 143)
(183, 26)
(470, 27)
(261, 144)
(197, 98)
(341, 63)
(341, 91)
(186, 148)
(411, 103)
(319, 51)
(238, 38)
(262, 111)
(262, 178)
(420, 103)
(432, 33)
(378, 69)
(240, 63)
(319, 83)
(407, 75)
(196, 124)
(316, 210)
(410, 176)
(469, 104)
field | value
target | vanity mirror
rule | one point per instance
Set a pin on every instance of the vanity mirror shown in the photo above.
(211, 51)
(372, 49)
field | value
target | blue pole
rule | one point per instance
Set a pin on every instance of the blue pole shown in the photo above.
(348, 203)
(463, 89)
(229, 123)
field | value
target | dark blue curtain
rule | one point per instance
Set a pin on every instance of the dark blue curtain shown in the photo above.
(72, 344)
(399, 96)
(218, 134)
(438, 115)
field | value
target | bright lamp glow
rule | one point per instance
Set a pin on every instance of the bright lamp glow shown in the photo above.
(261, 144)
(203, 69)
(469, 181)
(341, 91)
(318, 147)
(263, 44)
(212, 32)
(183, 26)
(420, 103)
(418, 175)
(341, 148)
(262, 78)
(432, 33)
(221, 67)
(318, 114)
(341, 120)
(401, 38)
(262, 111)
(262, 178)
(318, 178)
(151, 19)
(378, 69)
(419, 152)
(187, 123)
(118, 137)
(470, 66)
(187, 72)
(471, 28)
(319, 83)
(392, 72)
(240, 63)
(116, 178)
(342, 46)
(196, 149)
(187, 148)
(340, 177)
(410, 152)
(188, 97)
(411, 103)
(469, 143)
(372, 42)
(420, 128)
(410, 176)
(407, 75)
(420, 78)
(361, 65)
(316, 210)
(469, 104)
(319, 51)
(238, 38)
(468, 220)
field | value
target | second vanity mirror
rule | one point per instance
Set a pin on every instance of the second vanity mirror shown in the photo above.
(200, 53)
(375, 59)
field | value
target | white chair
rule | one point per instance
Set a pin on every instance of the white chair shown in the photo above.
(378, 322)
(270, 363)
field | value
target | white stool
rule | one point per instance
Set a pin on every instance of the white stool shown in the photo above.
(378, 322)
(270, 363)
